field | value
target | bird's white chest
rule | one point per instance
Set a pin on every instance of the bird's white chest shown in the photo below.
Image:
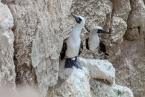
(73, 46)
(94, 42)
(74, 42)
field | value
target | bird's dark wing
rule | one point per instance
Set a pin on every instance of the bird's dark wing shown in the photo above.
(87, 44)
(63, 51)
(102, 48)
(81, 48)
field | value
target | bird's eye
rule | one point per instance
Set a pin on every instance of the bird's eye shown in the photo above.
(78, 20)
(99, 31)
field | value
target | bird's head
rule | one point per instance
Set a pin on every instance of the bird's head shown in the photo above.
(99, 29)
(79, 20)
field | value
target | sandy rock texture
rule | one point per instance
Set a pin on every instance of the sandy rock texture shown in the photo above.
(100, 89)
(94, 11)
(99, 69)
(122, 8)
(7, 68)
(38, 34)
(75, 83)
(129, 64)
(32, 34)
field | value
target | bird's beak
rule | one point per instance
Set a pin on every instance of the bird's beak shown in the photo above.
(73, 15)
(105, 32)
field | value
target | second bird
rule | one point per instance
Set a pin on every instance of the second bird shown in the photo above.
(93, 42)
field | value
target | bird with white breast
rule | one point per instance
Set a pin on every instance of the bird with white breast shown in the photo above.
(93, 42)
(71, 46)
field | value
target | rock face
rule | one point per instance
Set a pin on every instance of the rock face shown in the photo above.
(102, 90)
(122, 8)
(7, 68)
(137, 15)
(96, 79)
(99, 69)
(94, 10)
(75, 83)
(38, 34)
(31, 55)
(130, 61)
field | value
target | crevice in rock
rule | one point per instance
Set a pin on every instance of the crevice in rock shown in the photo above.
(108, 26)
(102, 81)
(139, 30)
(34, 72)
(19, 68)
(128, 27)
(114, 4)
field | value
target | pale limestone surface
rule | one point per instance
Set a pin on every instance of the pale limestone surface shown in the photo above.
(100, 89)
(119, 28)
(7, 68)
(74, 84)
(95, 79)
(39, 32)
(99, 69)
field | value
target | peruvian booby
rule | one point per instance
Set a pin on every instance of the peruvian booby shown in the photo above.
(71, 45)
(93, 41)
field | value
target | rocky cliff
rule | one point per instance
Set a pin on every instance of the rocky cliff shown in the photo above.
(32, 34)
